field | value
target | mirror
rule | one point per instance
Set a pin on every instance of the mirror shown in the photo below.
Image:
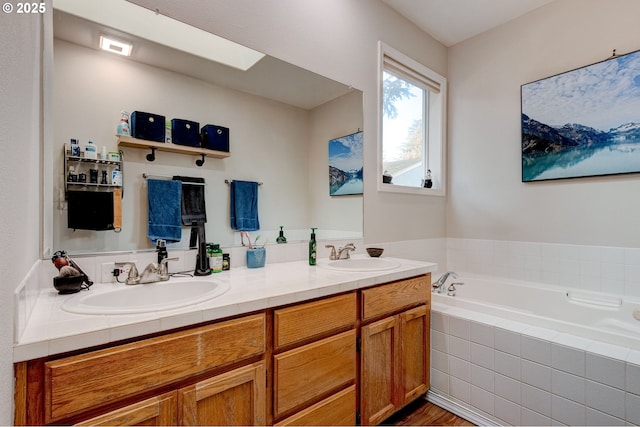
(280, 117)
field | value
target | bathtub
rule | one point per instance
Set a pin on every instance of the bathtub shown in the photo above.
(606, 318)
(508, 352)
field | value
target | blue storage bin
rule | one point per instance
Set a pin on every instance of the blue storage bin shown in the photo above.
(185, 132)
(215, 137)
(148, 126)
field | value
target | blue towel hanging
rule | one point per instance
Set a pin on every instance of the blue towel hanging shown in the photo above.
(244, 206)
(165, 197)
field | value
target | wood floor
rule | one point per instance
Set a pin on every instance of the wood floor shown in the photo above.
(423, 413)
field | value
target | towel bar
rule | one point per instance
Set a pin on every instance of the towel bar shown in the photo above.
(228, 181)
(147, 176)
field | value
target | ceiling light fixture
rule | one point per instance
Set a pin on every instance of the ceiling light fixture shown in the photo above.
(116, 46)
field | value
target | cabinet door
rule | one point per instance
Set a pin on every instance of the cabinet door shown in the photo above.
(380, 371)
(237, 397)
(414, 328)
(157, 411)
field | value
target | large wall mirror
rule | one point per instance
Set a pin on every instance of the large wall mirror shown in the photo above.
(280, 117)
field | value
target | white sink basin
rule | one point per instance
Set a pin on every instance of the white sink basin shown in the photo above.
(363, 264)
(131, 299)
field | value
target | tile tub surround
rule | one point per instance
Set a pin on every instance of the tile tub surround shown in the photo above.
(45, 329)
(500, 371)
(614, 270)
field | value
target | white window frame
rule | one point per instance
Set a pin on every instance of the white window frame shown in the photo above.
(437, 125)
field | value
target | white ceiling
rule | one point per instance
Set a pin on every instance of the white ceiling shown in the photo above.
(452, 21)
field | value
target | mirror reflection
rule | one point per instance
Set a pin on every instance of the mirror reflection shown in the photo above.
(280, 120)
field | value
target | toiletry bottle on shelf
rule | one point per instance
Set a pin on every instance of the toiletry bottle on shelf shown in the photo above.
(216, 258)
(116, 177)
(90, 150)
(75, 147)
(313, 246)
(281, 238)
(123, 126)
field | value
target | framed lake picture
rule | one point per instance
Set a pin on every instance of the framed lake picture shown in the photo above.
(345, 165)
(584, 122)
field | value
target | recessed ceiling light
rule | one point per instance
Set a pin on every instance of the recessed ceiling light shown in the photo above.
(115, 46)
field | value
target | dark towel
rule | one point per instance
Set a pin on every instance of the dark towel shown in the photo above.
(164, 209)
(194, 210)
(244, 206)
(90, 210)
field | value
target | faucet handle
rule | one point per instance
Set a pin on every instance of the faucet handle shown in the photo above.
(133, 277)
(163, 267)
(332, 255)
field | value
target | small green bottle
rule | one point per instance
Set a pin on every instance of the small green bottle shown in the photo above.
(281, 238)
(313, 246)
(216, 258)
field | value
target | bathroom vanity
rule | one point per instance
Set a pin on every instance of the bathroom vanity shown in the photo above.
(340, 348)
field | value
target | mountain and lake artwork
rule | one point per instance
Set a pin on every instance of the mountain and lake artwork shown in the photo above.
(345, 165)
(584, 122)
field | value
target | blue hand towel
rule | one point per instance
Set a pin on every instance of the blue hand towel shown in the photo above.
(244, 206)
(165, 198)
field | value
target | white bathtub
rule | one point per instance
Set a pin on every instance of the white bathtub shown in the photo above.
(606, 318)
(506, 352)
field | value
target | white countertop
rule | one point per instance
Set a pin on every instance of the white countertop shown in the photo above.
(50, 330)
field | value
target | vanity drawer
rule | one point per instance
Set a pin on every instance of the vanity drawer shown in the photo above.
(392, 297)
(75, 384)
(303, 321)
(310, 371)
(337, 410)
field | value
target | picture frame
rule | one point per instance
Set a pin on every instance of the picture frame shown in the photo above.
(346, 162)
(584, 122)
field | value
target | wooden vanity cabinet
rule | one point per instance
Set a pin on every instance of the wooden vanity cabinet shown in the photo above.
(345, 359)
(315, 361)
(394, 367)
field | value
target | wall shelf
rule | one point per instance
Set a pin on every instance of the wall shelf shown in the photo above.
(128, 141)
(81, 165)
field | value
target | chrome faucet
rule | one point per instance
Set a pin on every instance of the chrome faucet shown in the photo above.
(335, 255)
(438, 285)
(153, 272)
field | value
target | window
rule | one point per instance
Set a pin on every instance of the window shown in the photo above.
(412, 126)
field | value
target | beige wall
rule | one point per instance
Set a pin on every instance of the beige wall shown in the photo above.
(487, 198)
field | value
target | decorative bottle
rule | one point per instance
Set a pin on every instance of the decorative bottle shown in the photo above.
(313, 247)
(281, 238)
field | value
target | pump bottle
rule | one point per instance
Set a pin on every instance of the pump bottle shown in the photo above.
(313, 246)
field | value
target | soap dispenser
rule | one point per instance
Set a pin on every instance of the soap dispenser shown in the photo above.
(161, 249)
(281, 238)
(313, 246)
